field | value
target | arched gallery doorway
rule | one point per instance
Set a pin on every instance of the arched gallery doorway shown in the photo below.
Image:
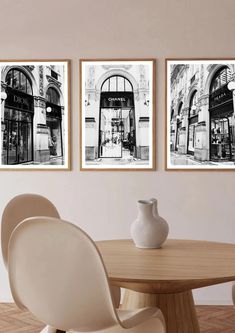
(117, 128)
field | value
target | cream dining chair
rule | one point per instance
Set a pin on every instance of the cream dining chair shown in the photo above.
(18, 209)
(57, 273)
(29, 205)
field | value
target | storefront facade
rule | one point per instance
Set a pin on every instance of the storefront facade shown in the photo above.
(204, 126)
(31, 114)
(116, 113)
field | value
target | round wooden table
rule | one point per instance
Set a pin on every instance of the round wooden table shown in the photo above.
(165, 277)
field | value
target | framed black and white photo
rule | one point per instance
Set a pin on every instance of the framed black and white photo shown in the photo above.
(200, 101)
(117, 114)
(35, 114)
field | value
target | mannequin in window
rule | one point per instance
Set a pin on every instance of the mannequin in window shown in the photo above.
(21, 148)
(54, 145)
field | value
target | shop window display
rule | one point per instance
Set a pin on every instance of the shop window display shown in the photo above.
(221, 112)
(53, 121)
(17, 120)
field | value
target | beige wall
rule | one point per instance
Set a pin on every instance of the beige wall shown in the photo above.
(196, 205)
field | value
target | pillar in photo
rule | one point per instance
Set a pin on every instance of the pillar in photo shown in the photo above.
(182, 140)
(92, 97)
(202, 129)
(142, 101)
(41, 150)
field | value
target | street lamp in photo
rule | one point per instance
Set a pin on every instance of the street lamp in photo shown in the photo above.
(231, 85)
(146, 102)
(178, 118)
(193, 108)
(3, 96)
(87, 101)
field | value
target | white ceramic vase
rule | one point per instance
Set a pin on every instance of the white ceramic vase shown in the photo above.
(149, 230)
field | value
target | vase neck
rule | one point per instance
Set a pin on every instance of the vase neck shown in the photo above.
(145, 208)
(155, 208)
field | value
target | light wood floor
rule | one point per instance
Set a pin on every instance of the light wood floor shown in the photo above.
(212, 319)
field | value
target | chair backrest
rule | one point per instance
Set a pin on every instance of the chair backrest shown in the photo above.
(56, 272)
(18, 209)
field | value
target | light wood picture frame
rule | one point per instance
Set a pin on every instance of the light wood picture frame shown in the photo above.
(200, 104)
(35, 114)
(117, 114)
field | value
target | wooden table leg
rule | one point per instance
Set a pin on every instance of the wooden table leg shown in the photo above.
(178, 309)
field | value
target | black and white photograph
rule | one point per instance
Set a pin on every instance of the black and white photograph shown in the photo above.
(35, 114)
(200, 114)
(117, 114)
